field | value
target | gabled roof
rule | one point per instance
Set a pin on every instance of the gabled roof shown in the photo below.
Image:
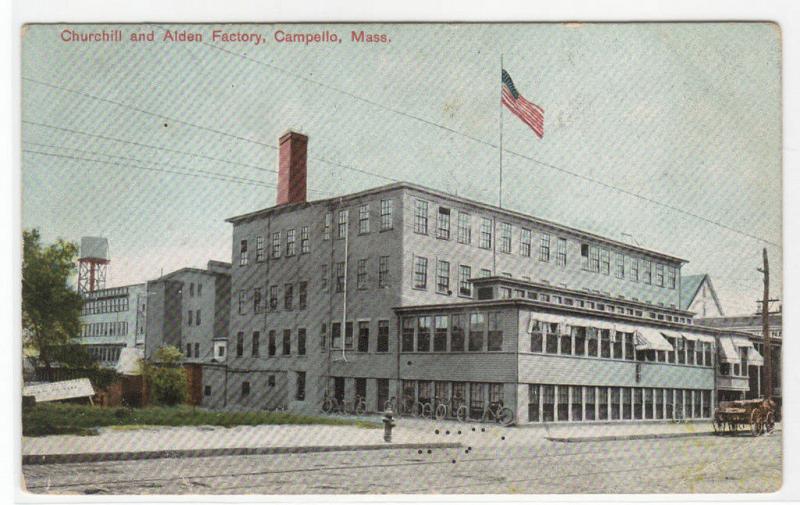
(690, 286)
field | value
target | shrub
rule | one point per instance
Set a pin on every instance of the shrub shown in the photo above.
(165, 377)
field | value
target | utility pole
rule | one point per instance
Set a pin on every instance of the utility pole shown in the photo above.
(765, 329)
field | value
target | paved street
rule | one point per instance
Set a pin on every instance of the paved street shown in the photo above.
(520, 463)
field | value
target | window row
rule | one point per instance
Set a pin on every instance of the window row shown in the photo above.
(263, 299)
(385, 219)
(196, 350)
(574, 301)
(361, 342)
(597, 259)
(276, 343)
(199, 290)
(106, 305)
(474, 332)
(109, 329)
(105, 353)
(194, 317)
(548, 403)
(277, 246)
(476, 396)
(443, 276)
(363, 277)
(554, 338)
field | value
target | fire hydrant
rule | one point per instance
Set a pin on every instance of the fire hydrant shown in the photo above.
(388, 424)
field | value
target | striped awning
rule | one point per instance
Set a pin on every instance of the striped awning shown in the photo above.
(754, 357)
(728, 353)
(698, 337)
(648, 339)
(544, 318)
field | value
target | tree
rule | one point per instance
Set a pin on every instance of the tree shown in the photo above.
(165, 376)
(50, 307)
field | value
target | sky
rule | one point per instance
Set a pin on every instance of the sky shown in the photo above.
(154, 144)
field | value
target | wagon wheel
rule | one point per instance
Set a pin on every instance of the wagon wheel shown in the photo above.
(756, 422)
(769, 423)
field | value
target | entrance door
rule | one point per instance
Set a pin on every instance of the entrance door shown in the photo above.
(383, 394)
(361, 388)
(338, 389)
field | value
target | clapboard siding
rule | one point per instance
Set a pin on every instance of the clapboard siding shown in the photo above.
(551, 369)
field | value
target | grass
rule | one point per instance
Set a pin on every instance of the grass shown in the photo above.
(62, 419)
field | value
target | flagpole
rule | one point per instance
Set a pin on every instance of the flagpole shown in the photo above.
(500, 193)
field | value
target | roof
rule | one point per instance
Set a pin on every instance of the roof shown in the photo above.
(492, 208)
(690, 286)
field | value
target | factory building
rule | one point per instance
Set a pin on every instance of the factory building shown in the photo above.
(113, 319)
(410, 293)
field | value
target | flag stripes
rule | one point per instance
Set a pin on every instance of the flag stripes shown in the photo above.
(530, 113)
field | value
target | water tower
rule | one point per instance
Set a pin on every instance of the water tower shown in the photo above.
(92, 264)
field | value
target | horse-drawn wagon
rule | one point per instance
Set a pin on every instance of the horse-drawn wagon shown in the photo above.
(758, 414)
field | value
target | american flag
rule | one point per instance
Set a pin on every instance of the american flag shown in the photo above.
(530, 113)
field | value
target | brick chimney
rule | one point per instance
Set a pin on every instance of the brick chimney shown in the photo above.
(292, 168)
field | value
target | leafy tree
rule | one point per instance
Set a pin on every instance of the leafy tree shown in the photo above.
(50, 307)
(165, 376)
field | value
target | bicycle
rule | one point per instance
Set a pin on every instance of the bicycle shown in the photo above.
(390, 404)
(329, 404)
(423, 409)
(357, 406)
(496, 412)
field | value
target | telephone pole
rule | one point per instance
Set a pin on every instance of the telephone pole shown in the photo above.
(765, 329)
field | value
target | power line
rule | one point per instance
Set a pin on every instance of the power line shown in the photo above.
(348, 167)
(487, 143)
(148, 146)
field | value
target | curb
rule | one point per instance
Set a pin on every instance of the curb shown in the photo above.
(646, 436)
(94, 457)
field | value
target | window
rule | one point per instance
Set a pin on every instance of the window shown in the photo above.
(273, 298)
(566, 343)
(561, 252)
(287, 342)
(302, 289)
(443, 224)
(536, 335)
(300, 387)
(563, 403)
(243, 253)
(423, 334)
(494, 338)
(326, 227)
(361, 274)
(548, 403)
(594, 259)
(647, 272)
(464, 228)
(605, 343)
(245, 388)
(207, 391)
(387, 221)
(189, 318)
(605, 261)
(592, 342)
(457, 333)
(485, 272)
(464, 275)
(579, 340)
(305, 248)
(272, 345)
(363, 336)
(408, 334)
(348, 335)
(188, 350)
(443, 277)
(242, 302)
(239, 344)
(342, 224)
(421, 217)
(256, 343)
(271, 381)
(476, 328)
(336, 336)
(620, 270)
(288, 296)
(290, 242)
(525, 242)
(544, 247)
(363, 219)
(420, 272)
(323, 336)
(383, 271)
(629, 348)
(440, 333)
(634, 271)
(576, 405)
(276, 245)
(301, 341)
(505, 238)
(340, 276)
(323, 269)
(659, 275)
(258, 302)
(486, 233)
(197, 318)
(191, 289)
(383, 336)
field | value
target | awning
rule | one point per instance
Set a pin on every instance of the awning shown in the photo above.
(590, 323)
(754, 357)
(544, 318)
(727, 351)
(648, 339)
(697, 336)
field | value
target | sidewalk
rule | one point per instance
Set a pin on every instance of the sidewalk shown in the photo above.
(203, 441)
(631, 431)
